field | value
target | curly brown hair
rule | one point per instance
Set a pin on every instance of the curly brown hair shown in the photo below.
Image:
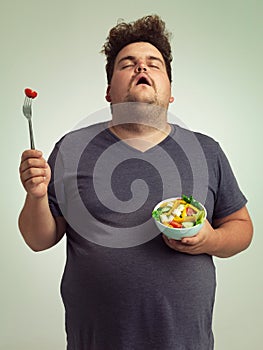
(149, 29)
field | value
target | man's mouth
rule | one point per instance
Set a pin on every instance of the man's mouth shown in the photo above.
(143, 80)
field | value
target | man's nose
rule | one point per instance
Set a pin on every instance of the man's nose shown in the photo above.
(140, 68)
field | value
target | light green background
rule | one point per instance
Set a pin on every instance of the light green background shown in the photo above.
(53, 47)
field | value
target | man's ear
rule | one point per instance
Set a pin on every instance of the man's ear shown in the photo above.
(108, 98)
(171, 99)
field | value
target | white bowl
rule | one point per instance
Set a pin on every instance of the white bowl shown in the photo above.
(178, 233)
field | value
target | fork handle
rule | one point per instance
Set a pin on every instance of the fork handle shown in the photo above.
(32, 143)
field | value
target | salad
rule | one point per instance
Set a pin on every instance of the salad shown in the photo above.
(184, 212)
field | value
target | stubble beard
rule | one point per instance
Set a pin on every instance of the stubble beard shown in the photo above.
(140, 113)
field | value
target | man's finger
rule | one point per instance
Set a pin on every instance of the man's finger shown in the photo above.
(31, 153)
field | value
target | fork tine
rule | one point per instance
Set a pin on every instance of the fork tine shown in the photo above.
(26, 101)
(27, 107)
(25, 104)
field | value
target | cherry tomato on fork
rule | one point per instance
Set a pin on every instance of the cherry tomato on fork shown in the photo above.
(30, 93)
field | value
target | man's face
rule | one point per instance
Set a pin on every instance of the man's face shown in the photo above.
(140, 75)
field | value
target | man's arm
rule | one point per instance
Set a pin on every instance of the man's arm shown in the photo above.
(230, 235)
(37, 225)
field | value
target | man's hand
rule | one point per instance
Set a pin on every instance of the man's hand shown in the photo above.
(34, 173)
(201, 243)
(231, 235)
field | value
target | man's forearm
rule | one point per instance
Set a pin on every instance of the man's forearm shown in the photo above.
(232, 237)
(37, 225)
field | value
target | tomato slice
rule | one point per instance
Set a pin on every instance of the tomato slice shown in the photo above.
(176, 224)
(30, 93)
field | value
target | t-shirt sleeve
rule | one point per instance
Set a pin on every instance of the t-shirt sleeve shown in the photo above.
(229, 197)
(55, 187)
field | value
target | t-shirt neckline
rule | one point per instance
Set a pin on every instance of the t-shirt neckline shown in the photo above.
(136, 150)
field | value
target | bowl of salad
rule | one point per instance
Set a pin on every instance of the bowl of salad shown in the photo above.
(179, 217)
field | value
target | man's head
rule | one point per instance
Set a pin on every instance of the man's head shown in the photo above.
(149, 29)
(139, 62)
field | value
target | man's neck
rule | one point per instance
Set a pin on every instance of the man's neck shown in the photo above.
(141, 125)
(140, 136)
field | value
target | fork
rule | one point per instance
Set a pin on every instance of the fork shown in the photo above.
(27, 111)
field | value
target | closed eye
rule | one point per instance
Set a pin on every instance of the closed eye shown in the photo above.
(127, 66)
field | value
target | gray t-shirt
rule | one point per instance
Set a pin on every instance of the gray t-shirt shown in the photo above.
(125, 292)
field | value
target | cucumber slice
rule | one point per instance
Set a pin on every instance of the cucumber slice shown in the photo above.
(188, 224)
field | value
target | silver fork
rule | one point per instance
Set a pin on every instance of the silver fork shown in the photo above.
(27, 111)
